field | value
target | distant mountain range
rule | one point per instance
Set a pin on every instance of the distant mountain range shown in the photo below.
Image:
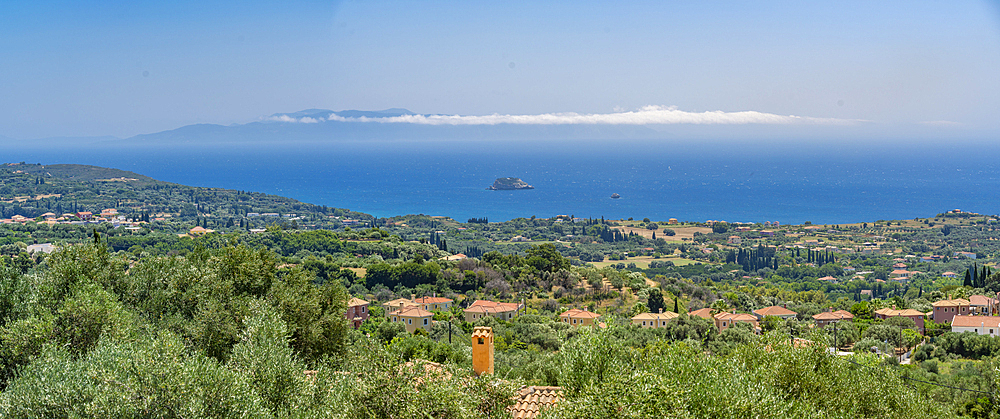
(279, 128)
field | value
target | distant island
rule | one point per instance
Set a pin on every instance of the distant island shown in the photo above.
(509, 184)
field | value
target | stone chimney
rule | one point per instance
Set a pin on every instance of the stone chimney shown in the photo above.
(661, 310)
(413, 297)
(482, 350)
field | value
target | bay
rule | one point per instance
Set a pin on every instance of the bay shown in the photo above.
(824, 185)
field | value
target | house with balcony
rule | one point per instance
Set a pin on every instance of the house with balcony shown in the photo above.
(357, 312)
(413, 318)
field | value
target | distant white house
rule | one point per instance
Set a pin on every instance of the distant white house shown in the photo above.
(43, 247)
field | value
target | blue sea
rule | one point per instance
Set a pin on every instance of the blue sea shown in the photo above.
(826, 184)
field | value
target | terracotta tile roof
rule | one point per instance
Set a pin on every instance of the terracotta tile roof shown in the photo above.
(827, 278)
(432, 300)
(666, 315)
(397, 302)
(982, 300)
(482, 306)
(775, 311)
(356, 302)
(737, 317)
(412, 312)
(888, 312)
(580, 314)
(836, 315)
(951, 303)
(705, 313)
(531, 400)
(975, 321)
(482, 332)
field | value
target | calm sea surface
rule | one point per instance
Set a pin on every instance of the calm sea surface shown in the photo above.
(825, 186)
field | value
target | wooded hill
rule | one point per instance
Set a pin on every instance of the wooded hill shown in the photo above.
(31, 190)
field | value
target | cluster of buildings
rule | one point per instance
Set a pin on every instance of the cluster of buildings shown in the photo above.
(109, 215)
(416, 313)
(978, 314)
(726, 319)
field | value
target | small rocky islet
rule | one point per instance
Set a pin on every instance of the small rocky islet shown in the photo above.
(509, 184)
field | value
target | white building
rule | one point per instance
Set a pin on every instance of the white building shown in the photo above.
(983, 325)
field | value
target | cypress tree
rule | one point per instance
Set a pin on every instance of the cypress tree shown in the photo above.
(676, 305)
(968, 279)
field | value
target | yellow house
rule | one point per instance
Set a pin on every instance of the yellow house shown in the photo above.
(413, 318)
(726, 320)
(398, 304)
(654, 320)
(578, 317)
(483, 308)
(433, 303)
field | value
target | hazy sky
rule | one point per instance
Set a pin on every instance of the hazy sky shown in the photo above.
(71, 69)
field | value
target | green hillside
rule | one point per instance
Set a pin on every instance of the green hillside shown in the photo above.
(31, 190)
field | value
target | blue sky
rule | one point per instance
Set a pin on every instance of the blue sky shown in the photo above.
(890, 68)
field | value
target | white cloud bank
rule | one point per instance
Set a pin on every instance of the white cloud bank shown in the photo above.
(649, 115)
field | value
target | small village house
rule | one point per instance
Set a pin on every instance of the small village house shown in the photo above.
(357, 311)
(579, 317)
(654, 320)
(726, 320)
(413, 318)
(945, 310)
(830, 316)
(775, 311)
(398, 304)
(483, 308)
(433, 303)
(917, 316)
